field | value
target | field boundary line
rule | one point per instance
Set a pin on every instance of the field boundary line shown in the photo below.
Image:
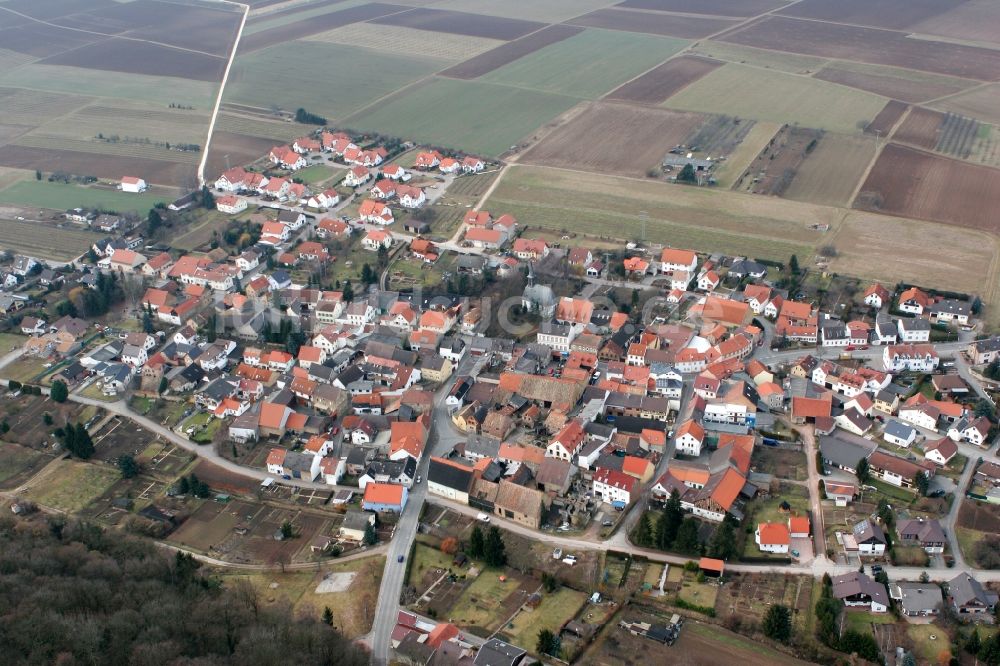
(982, 84)
(109, 36)
(878, 152)
(222, 90)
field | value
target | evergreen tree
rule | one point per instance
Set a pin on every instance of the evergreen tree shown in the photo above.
(644, 533)
(348, 291)
(723, 544)
(128, 466)
(153, 222)
(793, 265)
(972, 643)
(548, 643)
(477, 544)
(184, 486)
(164, 384)
(670, 521)
(371, 536)
(495, 553)
(862, 471)
(687, 537)
(687, 174)
(59, 392)
(328, 616)
(778, 623)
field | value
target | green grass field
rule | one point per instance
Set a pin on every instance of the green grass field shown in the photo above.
(550, 11)
(468, 115)
(588, 64)
(317, 173)
(99, 83)
(15, 459)
(60, 196)
(750, 92)
(332, 80)
(701, 218)
(73, 485)
(784, 62)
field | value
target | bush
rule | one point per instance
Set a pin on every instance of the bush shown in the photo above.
(986, 552)
(687, 605)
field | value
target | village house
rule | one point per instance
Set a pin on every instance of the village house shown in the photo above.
(772, 538)
(857, 590)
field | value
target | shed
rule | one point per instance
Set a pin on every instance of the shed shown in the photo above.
(711, 566)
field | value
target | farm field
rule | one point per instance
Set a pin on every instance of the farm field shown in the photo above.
(701, 218)
(403, 41)
(615, 138)
(588, 64)
(749, 92)
(870, 45)
(157, 90)
(62, 196)
(461, 23)
(71, 485)
(361, 77)
(485, 118)
(887, 118)
(292, 26)
(81, 162)
(902, 84)
(294, 14)
(687, 27)
(832, 170)
(556, 609)
(892, 249)
(911, 183)
(973, 20)
(982, 103)
(920, 128)
(793, 63)
(510, 51)
(893, 14)
(723, 7)
(550, 11)
(656, 85)
(43, 241)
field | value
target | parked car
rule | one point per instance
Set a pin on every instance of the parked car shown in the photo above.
(400, 558)
(483, 518)
(570, 560)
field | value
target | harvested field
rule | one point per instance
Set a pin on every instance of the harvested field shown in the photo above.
(793, 63)
(268, 77)
(287, 32)
(830, 173)
(102, 166)
(274, 130)
(656, 85)
(462, 23)
(408, 41)
(921, 128)
(739, 160)
(887, 118)
(777, 165)
(19, 463)
(686, 27)
(974, 20)
(207, 28)
(290, 13)
(118, 55)
(880, 47)
(905, 85)
(588, 64)
(33, 107)
(743, 8)
(44, 242)
(719, 136)
(550, 11)
(228, 149)
(701, 218)
(41, 41)
(750, 92)
(986, 147)
(982, 103)
(891, 14)
(509, 52)
(479, 117)
(42, 139)
(614, 138)
(893, 249)
(913, 183)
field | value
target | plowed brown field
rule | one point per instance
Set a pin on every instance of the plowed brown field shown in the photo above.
(614, 138)
(912, 183)
(921, 128)
(656, 85)
(511, 51)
